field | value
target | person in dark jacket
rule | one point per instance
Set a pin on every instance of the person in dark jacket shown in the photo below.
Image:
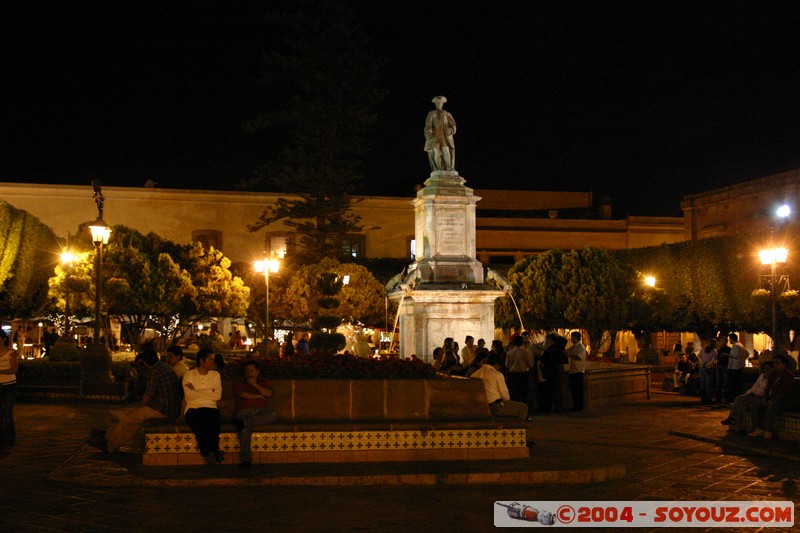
(550, 362)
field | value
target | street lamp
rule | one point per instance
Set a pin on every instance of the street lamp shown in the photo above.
(266, 266)
(650, 281)
(773, 257)
(100, 234)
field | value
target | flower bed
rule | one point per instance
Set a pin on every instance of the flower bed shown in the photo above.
(325, 366)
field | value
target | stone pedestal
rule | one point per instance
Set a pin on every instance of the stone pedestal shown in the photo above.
(444, 293)
(428, 316)
(444, 230)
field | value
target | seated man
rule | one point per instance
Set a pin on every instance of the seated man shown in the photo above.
(174, 358)
(736, 418)
(161, 399)
(682, 372)
(494, 383)
(780, 396)
(252, 408)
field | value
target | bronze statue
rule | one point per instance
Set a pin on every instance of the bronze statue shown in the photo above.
(440, 126)
(98, 198)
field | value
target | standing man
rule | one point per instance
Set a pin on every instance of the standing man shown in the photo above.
(253, 408)
(440, 126)
(161, 399)
(577, 366)
(49, 339)
(721, 370)
(468, 351)
(736, 358)
(500, 403)
(519, 362)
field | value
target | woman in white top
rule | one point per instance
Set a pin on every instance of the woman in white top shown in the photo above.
(9, 362)
(202, 388)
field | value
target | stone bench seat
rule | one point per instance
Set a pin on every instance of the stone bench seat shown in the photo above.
(446, 419)
(180, 426)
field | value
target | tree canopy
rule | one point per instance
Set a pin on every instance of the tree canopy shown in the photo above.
(295, 293)
(153, 282)
(707, 286)
(586, 288)
(714, 285)
(28, 255)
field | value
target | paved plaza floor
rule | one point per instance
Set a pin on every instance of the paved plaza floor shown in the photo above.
(667, 448)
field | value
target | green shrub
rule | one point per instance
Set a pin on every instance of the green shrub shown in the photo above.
(327, 342)
(65, 351)
(121, 370)
(44, 372)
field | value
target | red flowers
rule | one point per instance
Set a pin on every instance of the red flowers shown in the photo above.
(325, 366)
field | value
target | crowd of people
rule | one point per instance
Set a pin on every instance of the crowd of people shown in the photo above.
(171, 389)
(715, 374)
(527, 375)
(539, 376)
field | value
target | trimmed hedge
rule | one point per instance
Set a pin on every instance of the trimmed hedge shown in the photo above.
(45, 372)
(64, 351)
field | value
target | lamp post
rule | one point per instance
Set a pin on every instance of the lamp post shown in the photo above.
(266, 266)
(773, 257)
(96, 377)
(100, 234)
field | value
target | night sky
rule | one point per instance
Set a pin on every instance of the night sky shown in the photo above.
(640, 101)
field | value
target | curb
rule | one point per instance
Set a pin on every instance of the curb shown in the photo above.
(724, 443)
(85, 471)
(592, 475)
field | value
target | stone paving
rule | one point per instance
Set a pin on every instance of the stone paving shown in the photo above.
(668, 448)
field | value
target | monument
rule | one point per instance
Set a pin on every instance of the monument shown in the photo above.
(444, 293)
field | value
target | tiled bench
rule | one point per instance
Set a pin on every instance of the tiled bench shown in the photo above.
(358, 421)
(788, 427)
(283, 443)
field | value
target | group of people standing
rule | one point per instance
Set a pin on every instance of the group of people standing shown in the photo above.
(532, 373)
(715, 372)
(173, 390)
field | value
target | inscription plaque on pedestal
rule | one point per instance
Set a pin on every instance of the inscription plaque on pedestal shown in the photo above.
(450, 232)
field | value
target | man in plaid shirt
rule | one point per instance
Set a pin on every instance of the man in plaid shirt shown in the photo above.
(162, 399)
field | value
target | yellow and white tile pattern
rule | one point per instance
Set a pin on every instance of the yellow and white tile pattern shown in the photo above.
(337, 441)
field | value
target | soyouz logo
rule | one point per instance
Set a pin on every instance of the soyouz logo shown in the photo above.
(644, 514)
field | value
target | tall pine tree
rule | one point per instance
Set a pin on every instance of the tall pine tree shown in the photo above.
(327, 83)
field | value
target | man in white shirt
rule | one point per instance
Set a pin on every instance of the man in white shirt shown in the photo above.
(519, 362)
(494, 383)
(468, 351)
(733, 383)
(576, 354)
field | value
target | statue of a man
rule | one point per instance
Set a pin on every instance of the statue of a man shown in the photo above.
(440, 126)
(98, 197)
